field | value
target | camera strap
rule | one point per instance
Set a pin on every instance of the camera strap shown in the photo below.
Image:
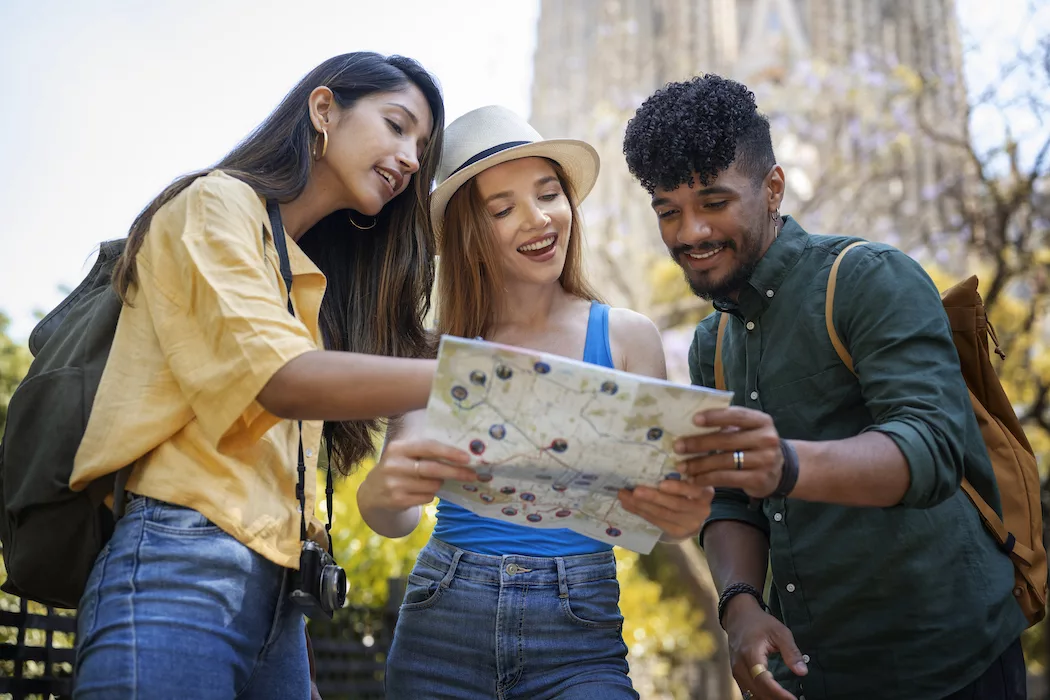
(277, 228)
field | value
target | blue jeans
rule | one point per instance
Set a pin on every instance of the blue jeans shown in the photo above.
(480, 626)
(175, 607)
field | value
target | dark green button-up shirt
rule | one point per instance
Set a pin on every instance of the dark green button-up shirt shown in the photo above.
(909, 602)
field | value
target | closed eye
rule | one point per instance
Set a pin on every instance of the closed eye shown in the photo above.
(666, 214)
(502, 214)
(550, 197)
(716, 205)
(395, 127)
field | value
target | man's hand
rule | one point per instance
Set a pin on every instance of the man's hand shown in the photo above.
(753, 635)
(678, 507)
(743, 430)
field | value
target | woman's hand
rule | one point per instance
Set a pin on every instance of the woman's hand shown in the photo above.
(408, 475)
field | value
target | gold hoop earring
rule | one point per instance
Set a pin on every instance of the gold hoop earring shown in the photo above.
(324, 145)
(359, 226)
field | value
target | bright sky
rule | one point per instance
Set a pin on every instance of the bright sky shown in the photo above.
(103, 102)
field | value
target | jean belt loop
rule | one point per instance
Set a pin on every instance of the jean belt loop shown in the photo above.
(563, 581)
(445, 582)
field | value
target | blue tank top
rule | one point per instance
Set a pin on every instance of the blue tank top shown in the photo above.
(461, 528)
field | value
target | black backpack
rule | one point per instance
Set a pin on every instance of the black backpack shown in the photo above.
(51, 534)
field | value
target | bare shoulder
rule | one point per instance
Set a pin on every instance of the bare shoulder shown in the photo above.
(636, 343)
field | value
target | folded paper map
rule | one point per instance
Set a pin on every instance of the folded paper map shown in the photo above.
(554, 440)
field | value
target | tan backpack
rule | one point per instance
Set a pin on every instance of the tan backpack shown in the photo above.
(1019, 532)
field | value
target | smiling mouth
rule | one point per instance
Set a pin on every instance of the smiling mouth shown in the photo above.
(539, 247)
(707, 253)
(389, 179)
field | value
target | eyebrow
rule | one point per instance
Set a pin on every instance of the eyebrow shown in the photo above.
(713, 189)
(406, 110)
(508, 193)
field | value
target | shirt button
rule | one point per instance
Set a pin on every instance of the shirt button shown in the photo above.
(309, 452)
(754, 395)
(778, 516)
(769, 293)
(805, 658)
(750, 325)
(790, 588)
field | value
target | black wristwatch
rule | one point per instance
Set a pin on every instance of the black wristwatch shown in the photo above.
(789, 472)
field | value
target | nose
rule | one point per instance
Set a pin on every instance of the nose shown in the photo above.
(694, 230)
(409, 162)
(536, 217)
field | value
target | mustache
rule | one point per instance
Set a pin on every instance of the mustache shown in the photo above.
(678, 251)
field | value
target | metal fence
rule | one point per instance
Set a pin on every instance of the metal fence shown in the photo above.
(31, 669)
(350, 651)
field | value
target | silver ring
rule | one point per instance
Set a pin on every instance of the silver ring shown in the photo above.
(738, 460)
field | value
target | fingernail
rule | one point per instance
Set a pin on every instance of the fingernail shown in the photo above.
(679, 446)
(698, 419)
(801, 667)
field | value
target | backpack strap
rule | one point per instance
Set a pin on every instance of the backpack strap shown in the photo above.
(1003, 537)
(1006, 541)
(720, 372)
(829, 308)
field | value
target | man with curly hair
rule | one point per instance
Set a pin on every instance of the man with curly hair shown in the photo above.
(885, 583)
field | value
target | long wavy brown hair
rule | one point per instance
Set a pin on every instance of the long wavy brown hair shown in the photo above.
(470, 277)
(379, 281)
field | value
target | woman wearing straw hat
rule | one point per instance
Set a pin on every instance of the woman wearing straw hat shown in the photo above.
(495, 609)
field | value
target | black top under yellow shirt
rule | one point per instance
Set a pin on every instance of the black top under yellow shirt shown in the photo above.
(910, 602)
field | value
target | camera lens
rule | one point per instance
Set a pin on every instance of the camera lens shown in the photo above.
(333, 587)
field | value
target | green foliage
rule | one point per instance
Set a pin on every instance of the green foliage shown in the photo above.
(14, 363)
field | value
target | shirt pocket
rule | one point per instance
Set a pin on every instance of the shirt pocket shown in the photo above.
(805, 407)
(813, 387)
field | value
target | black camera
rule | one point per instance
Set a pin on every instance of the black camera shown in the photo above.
(320, 584)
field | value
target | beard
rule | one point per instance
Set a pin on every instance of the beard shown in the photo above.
(724, 289)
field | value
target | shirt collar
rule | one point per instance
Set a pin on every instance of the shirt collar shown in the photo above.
(780, 258)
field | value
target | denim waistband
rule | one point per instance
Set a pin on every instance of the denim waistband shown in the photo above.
(135, 502)
(516, 569)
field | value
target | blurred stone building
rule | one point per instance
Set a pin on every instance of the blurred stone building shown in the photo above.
(818, 68)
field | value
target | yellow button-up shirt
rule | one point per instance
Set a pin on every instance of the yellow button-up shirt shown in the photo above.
(207, 327)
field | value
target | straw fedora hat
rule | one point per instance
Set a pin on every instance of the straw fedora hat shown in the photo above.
(492, 135)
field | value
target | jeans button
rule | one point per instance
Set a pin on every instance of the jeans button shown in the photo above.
(512, 569)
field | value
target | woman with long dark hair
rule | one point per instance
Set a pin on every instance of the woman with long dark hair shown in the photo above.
(493, 608)
(220, 377)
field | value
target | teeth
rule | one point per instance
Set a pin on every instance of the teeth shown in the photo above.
(538, 245)
(704, 256)
(388, 178)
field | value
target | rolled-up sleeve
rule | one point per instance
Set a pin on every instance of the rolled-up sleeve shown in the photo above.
(896, 329)
(728, 504)
(218, 308)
